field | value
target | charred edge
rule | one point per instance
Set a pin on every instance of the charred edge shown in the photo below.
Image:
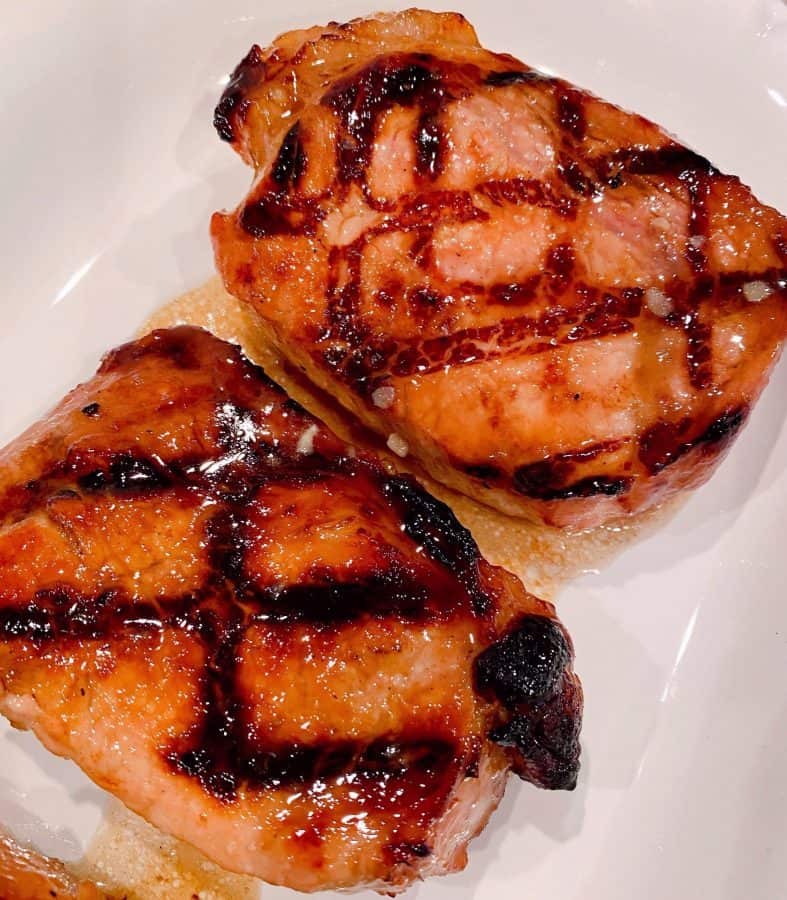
(543, 738)
(231, 106)
(671, 159)
(127, 473)
(665, 442)
(290, 162)
(433, 525)
(176, 345)
(291, 764)
(505, 79)
(526, 672)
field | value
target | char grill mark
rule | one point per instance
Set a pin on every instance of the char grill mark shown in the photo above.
(666, 442)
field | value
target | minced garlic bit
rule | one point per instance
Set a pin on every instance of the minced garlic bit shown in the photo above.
(754, 291)
(383, 397)
(398, 445)
(305, 445)
(658, 302)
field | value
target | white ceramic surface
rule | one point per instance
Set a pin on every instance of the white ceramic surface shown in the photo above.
(110, 169)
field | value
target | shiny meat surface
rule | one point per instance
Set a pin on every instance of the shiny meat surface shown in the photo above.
(256, 637)
(549, 302)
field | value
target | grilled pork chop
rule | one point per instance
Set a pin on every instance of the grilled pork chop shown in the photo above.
(548, 302)
(258, 639)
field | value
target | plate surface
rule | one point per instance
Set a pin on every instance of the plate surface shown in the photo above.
(110, 170)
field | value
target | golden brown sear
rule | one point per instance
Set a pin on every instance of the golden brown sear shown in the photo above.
(548, 302)
(256, 637)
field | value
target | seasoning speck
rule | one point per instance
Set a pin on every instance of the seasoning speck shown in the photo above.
(658, 302)
(754, 291)
(398, 445)
(305, 446)
(383, 397)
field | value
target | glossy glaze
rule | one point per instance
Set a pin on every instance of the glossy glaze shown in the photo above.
(256, 637)
(529, 273)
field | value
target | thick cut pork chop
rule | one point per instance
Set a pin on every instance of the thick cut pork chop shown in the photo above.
(553, 305)
(258, 639)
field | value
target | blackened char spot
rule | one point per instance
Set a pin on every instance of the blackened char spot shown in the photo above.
(91, 410)
(525, 666)
(290, 163)
(233, 102)
(504, 79)
(406, 851)
(127, 472)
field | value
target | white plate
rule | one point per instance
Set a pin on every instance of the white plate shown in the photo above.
(110, 170)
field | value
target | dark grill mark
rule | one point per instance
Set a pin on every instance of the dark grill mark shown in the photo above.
(276, 213)
(290, 163)
(666, 442)
(571, 112)
(433, 525)
(550, 479)
(429, 147)
(521, 191)
(289, 765)
(671, 159)
(360, 99)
